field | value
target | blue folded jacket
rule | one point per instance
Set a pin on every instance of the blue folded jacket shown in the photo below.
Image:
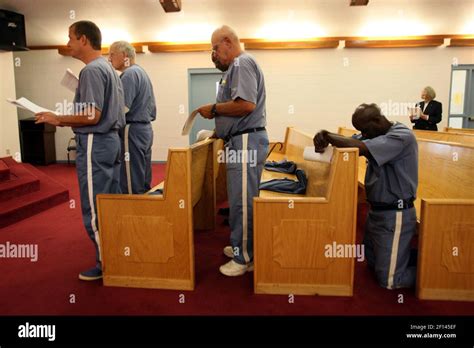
(282, 166)
(286, 185)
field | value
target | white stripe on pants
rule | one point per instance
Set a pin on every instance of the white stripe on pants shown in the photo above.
(396, 241)
(127, 160)
(245, 138)
(90, 188)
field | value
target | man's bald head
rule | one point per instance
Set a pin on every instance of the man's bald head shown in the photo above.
(225, 32)
(225, 46)
(368, 119)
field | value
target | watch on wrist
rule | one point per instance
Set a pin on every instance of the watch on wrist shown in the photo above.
(214, 111)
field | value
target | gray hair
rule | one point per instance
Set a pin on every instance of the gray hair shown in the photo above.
(125, 47)
(430, 92)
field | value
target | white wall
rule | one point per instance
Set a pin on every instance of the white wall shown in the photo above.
(9, 135)
(315, 84)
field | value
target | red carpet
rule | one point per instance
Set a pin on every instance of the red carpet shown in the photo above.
(26, 191)
(45, 287)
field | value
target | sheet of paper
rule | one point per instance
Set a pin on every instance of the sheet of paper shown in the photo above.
(310, 155)
(28, 105)
(70, 80)
(188, 125)
(416, 111)
(203, 134)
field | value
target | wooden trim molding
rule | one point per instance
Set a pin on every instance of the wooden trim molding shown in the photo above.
(394, 43)
(457, 40)
(291, 45)
(462, 42)
(179, 47)
(65, 51)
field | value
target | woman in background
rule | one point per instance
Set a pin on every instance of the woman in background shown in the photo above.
(430, 111)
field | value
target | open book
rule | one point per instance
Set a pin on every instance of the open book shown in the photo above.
(70, 81)
(416, 112)
(24, 103)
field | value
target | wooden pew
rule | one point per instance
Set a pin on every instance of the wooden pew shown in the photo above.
(459, 130)
(291, 232)
(445, 211)
(147, 240)
(446, 221)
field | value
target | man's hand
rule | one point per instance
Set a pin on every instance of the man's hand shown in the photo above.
(47, 117)
(424, 117)
(205, 111)
(320, 141)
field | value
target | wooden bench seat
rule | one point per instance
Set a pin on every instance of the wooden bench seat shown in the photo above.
(459, 130)
(147, 240)
(291, 232)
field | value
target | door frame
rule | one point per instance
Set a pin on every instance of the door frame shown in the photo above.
(468, 111)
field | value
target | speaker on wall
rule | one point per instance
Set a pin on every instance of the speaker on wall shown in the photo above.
(12, 31)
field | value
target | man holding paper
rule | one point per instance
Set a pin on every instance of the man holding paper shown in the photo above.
(98, 115)
(137, 137)
(391, 181)
(240, 120)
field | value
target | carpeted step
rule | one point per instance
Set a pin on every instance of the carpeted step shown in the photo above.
(50, 194)
(18, 186)
(4, 172)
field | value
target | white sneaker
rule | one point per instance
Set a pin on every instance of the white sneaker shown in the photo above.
(229, 252)
(233, 269)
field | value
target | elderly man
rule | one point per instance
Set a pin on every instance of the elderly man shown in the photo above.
(391, 181)
(239, 113)
(99, 114)
(137, 137)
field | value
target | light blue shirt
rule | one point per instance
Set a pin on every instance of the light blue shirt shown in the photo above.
(244, 79)
(139, 97)
(100, 86)
(392, 172)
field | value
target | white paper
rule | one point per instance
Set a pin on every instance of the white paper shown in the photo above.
(70, 81)
(203, 134)
(188, 125)
(310, 155)
(416, 112)
(24, 103)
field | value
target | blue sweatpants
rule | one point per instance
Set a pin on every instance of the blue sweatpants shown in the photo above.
(243, 181)
(136, 140)
(98, 171)
(387, 246)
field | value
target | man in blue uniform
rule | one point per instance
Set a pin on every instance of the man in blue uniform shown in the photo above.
(137, 137)
(391, 181)
(239, 113)
(98, 115)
